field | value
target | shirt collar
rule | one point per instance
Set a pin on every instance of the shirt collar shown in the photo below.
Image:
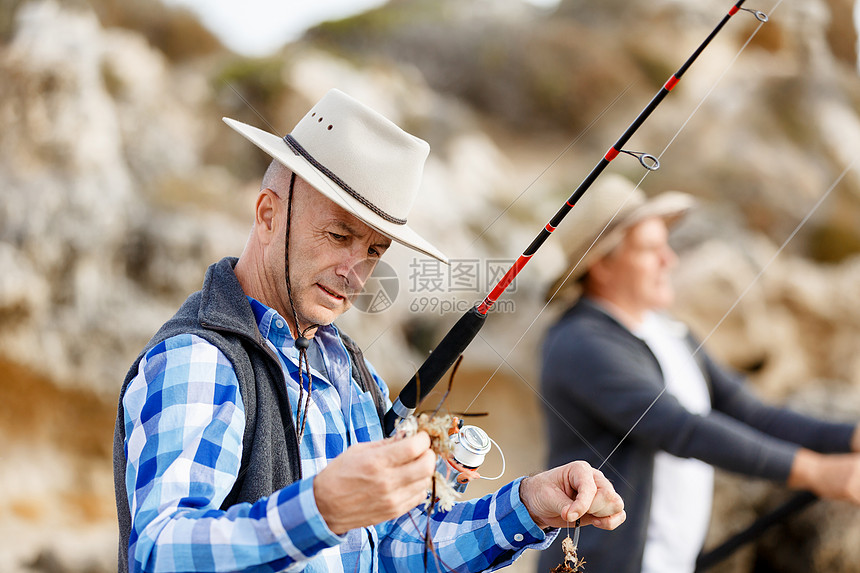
(274, 328)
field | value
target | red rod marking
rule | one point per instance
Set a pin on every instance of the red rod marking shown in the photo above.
(611, 154)
(509, 277)
(549, 228)
(733, 11)
(671, 83)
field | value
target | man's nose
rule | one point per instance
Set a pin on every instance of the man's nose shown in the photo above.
(670, 258)
(355, 268)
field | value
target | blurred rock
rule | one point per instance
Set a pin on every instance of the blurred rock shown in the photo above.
(95, 127)
(120, 185)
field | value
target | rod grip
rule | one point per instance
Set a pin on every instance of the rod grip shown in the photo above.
(440, 360)
(758, 527)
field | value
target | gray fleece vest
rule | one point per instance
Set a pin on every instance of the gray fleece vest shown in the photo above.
(221, 314)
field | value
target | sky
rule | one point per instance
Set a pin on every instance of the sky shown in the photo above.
(259, 27)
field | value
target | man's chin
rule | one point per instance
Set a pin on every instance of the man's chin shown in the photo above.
(323, 315)
(663, 302)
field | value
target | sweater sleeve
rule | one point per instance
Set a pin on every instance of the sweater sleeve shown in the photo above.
(615, 378)
(731, 396)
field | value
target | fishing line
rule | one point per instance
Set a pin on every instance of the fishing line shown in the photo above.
(556, 412)
(501, 453)
(778, 252)
(570, 145)
(246, 102)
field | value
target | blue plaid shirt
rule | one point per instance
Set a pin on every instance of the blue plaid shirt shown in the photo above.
(184, 422)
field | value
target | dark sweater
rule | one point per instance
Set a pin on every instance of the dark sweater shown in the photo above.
(598, 379)
(221, 314)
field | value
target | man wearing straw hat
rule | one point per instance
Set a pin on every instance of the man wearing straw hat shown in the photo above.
(614, 357)
(248, 433)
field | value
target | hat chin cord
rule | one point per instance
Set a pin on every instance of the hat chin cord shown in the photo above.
(302, 342)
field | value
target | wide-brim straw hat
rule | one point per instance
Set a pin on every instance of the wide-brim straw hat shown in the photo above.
(358, 159)
(599, 221)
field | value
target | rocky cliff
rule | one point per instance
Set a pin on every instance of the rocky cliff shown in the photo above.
(119, 185)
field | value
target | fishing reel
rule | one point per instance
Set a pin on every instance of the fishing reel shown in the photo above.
(471, 445)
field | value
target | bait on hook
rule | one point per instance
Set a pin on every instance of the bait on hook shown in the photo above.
(460, 451)
(572, 562)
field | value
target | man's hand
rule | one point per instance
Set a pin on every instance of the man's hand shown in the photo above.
(560, 496)
(374, 481)
(831, 476)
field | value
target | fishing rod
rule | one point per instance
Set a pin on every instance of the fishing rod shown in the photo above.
(467, 327)
(755, 530)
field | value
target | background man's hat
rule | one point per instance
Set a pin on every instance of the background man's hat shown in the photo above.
(358, 159)
(599, 221)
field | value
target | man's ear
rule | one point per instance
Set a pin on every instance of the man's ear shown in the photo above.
(598, 273)
(266, 209)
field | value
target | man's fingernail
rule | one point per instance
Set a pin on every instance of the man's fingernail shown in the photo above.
(572, 516)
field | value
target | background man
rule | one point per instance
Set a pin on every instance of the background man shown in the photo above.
(609, 358)
(248, 434)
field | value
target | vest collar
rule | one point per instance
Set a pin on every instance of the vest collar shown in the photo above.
(223, 304)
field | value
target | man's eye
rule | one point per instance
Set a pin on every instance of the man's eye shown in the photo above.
(337, 237)
(373, 252)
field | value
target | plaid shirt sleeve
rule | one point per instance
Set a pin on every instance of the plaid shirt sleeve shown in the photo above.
(184, 422)
(479, 535)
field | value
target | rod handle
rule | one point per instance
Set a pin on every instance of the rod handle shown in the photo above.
(440, 360)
